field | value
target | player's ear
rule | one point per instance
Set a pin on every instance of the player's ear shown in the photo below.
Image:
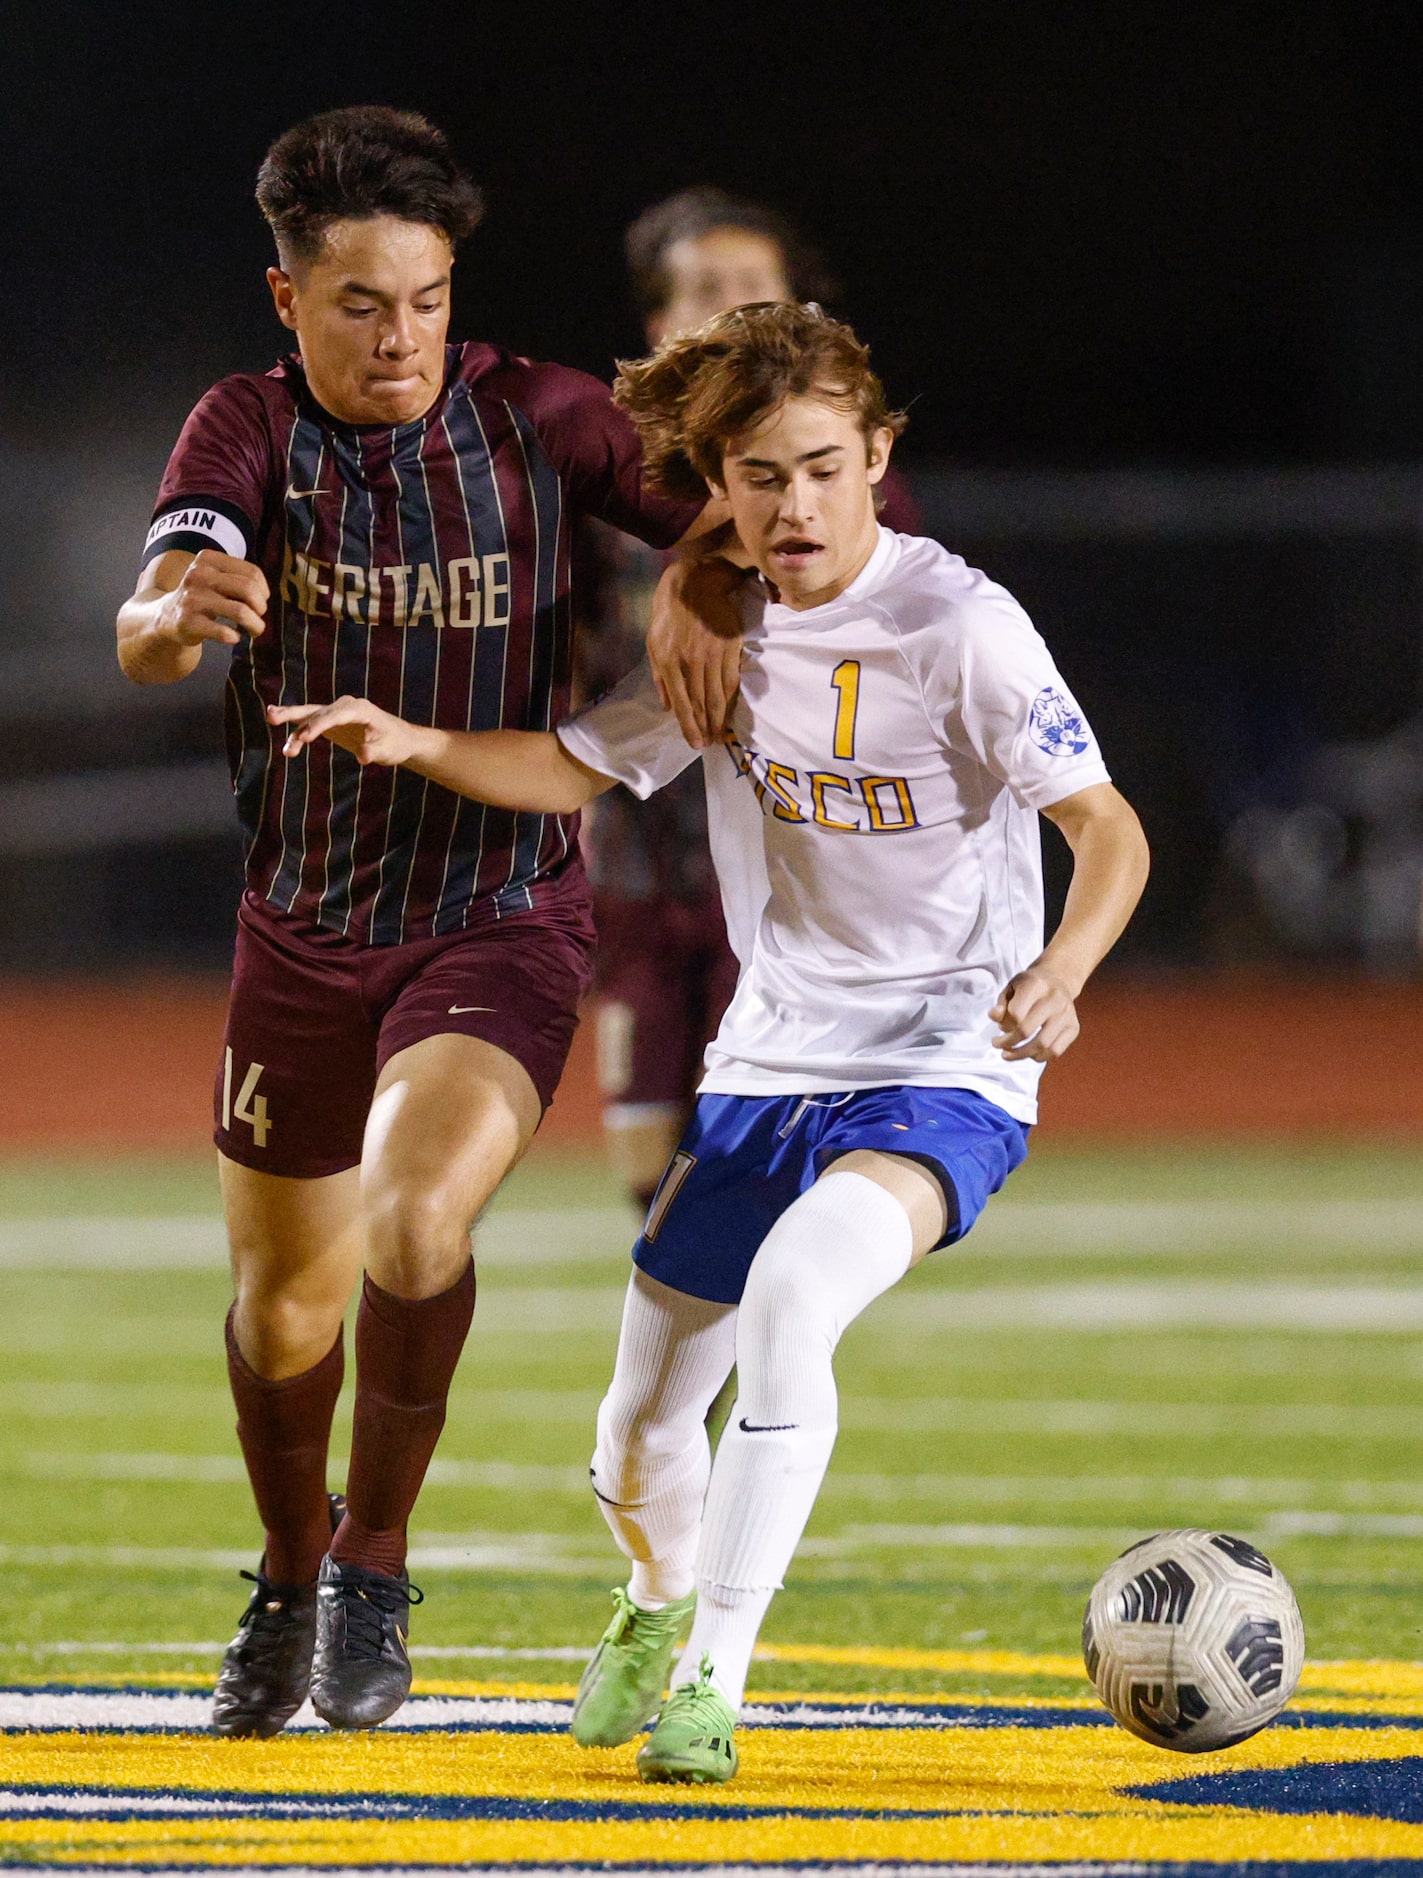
(283, 295)
(881, 442)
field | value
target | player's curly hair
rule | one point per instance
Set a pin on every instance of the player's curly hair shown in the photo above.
(363, 160)
(701, 210)
(699, 390)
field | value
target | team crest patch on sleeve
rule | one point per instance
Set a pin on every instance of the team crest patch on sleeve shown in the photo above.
(1056, 725)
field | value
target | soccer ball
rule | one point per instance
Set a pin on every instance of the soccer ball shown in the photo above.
(1193, 1640)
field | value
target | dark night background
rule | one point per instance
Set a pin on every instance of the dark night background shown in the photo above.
(1074, 233)
(1181, 247)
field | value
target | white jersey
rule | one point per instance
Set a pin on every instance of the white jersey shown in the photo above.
(874, 825)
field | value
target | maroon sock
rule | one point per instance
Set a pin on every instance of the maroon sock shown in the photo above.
(284, 1428)
(406, 1352)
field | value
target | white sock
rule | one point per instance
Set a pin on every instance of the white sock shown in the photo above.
(827, 1257)
(651, 1463)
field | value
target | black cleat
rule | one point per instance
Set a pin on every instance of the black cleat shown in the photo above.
(360, 1673)
(266, 1671)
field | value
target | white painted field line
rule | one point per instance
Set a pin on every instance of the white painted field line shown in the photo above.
(964, 1415)
(493, 1652)
(1156, 1228)
(964, 1536)
(206, 1469)
(1324, 1309)
(968, 1415)
(197, 1241)
(92, 1708)
(110, 1401)
(553, 1554)
(538, 1554)
(549, 1236)
(946, 1489)
(938, 1310)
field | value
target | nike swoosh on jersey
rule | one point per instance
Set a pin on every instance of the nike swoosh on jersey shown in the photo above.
(766, 1428)
(299, 495)
(458, 1010)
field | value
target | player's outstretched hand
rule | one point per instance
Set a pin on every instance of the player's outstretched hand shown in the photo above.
(355, 724)
(218, 599)
(1036, 1017)
(694, 644)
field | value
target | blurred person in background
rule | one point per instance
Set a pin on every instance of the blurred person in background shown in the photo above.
(664, 971)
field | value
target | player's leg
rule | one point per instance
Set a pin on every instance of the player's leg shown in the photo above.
(649, 1474)
(852, 1236)
(474, 1038)
(450, 1117)
(296, 1249)
(714, 1206)
(292, 1089)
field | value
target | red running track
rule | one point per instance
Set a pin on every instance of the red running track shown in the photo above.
(129, 1064)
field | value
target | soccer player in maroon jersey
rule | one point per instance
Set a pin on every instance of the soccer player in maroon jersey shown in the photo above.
(665, 972)
(386, 515)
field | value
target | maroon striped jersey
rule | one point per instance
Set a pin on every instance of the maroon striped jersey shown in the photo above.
(426, 567)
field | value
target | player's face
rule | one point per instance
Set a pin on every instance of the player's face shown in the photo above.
(370, 314)
(801, 489)
(712, 273)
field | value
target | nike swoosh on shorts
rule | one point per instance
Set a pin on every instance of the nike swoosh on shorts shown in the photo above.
(458, 1010)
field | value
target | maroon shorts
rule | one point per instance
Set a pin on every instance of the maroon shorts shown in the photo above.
(665, 975)
(314, 1019)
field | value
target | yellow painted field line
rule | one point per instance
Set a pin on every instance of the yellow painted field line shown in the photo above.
(1347, 1678)
(1365, 1678)
(947, 1662)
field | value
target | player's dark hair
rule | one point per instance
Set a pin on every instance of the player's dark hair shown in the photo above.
(703, 388)
(364, 160)
(698, 211)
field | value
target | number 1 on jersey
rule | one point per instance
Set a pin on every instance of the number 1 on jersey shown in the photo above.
(846, 681)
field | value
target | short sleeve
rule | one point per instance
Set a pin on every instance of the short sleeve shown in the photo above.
(214, 489)
(1013, 710)
(596, 450)
(630, 736)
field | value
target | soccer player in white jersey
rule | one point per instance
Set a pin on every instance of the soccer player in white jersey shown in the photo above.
(873, 819)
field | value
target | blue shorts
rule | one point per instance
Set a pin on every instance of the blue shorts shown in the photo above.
(744, 1159)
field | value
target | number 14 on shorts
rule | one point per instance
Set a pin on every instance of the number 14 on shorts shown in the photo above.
(249, 1106)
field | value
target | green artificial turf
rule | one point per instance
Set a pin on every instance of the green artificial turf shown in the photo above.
(984, 1475)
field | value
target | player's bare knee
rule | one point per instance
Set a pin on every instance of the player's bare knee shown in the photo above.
(282, 1330)
(417, 1236)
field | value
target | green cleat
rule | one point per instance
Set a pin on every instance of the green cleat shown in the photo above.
(622, 1686)
(693, 1737)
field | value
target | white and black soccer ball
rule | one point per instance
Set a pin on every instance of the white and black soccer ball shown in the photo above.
(1193, 1640)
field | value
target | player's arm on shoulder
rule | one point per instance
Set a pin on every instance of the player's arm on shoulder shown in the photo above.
(694, 638)
(183, 602)
(1036, 1012)
(509, 769)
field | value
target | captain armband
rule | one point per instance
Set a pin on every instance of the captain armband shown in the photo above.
(194, 525)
